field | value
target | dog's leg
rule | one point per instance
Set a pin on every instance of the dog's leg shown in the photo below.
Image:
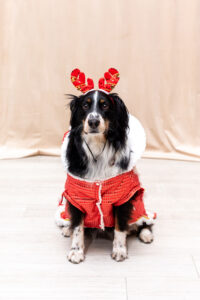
(122, 215)
(145, 234)
(76, 253)
(119, 252)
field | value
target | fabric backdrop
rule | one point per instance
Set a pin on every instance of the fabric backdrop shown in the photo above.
(154, 44)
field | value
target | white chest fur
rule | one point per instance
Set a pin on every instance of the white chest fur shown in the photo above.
(102, 160)
(103, 169)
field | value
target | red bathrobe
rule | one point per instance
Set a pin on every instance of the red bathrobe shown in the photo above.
(97, 199)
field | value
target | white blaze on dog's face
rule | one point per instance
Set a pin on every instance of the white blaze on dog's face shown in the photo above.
(96, 106)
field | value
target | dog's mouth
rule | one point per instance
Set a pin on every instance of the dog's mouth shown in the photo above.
(93, 131)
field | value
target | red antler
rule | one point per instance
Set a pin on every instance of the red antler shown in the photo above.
(78, 80)
(111, 77)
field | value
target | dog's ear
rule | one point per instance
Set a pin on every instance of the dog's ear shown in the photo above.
(119, 126)
(121, 111)
(74, 104)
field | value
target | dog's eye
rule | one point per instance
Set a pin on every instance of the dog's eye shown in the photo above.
(105, 106)
(85, 106)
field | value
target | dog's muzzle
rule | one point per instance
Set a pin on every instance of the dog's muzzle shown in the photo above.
(93, 121)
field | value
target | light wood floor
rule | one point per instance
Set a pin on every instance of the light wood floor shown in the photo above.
(33, 262)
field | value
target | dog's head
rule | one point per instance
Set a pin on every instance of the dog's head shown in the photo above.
(99, 113)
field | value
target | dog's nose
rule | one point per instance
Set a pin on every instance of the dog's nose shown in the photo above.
(93, 123)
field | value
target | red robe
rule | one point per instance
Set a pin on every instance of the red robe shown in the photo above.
(97, 199)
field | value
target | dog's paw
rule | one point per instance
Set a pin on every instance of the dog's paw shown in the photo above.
(66, 231)
(146, 236)
(119, 254)
(76, 256)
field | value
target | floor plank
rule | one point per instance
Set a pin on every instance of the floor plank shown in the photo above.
(163, 289)
(58, 288)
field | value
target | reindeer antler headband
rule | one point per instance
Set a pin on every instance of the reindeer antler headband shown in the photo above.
(106, 83)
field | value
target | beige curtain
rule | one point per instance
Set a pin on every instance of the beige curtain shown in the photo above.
(155, 44)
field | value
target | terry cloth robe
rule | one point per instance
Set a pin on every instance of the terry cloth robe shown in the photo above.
(96, 199)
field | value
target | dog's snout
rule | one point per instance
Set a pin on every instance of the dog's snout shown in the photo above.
(93, 123)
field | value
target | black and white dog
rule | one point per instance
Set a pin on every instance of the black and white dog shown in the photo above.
(104, 141)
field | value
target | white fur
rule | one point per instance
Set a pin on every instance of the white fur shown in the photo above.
(76, 253)
(95, 101)
(64, 151)
(101, 126)
(66, 231)
(146, 235)
(101, 170)
(119, 252)
(136, 140)
(60, 221)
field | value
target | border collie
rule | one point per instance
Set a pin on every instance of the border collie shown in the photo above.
(104, 141)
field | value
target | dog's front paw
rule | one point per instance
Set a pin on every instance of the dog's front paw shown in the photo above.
(76, 256)
(146, 236)
(119, 254)
(66, 231)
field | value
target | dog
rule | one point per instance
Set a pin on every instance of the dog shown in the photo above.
(98, 148)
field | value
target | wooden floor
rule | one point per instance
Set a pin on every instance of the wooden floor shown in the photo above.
(33, 262)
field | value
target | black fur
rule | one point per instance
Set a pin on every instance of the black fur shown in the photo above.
(76, 216)
(75, 153)
(123, 214)
(123, 164)
(119, 123)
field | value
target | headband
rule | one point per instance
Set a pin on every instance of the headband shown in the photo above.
(106, 83)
